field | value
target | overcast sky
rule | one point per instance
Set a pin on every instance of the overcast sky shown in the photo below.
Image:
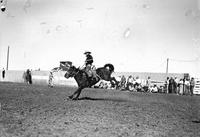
(133, 35)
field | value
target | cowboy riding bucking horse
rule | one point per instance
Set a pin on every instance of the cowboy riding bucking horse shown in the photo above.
(88, 76)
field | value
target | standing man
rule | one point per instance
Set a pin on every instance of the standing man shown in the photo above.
(171, 85)
(192, 84)
(3, 73)
(148, 83)
(167, 85)
(29, 76)
(176, 81)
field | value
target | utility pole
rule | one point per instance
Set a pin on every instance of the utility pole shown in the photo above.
(7, 58)
(167, 66)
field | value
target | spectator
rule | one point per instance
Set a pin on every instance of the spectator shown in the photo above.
(181, 87)
(123, 82)
(118, 78)
(148, 83)
(176, 81)
(161, 89)
(129, 84)
(167, 85)
(138, 80)
(3, 73)
(187, 86)
(138, 83)
(134, 81)
(192, 84)
(154, 89)
(50, 84)
(28, 76)
(171, 85)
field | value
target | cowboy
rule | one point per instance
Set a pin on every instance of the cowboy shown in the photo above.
(88, 65)
(192, 85)
(89, 58)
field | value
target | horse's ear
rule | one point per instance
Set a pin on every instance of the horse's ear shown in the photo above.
(73, 67)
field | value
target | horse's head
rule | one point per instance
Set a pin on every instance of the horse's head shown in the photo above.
(71, 72)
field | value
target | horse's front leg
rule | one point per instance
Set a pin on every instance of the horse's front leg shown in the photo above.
(78, 92)
(72, 96)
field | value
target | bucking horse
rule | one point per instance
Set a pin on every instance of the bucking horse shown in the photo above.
(83, 81)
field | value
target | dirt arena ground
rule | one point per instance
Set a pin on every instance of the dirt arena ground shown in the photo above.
(39, 111)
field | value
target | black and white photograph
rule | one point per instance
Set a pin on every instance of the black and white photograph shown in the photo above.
(99, 68)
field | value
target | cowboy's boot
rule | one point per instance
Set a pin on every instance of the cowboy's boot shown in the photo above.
(90, 77)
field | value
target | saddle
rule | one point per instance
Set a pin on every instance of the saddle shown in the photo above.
(91, 72)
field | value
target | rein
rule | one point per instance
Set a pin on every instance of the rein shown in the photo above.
(99, 76)
(86, 74)
(75, 73)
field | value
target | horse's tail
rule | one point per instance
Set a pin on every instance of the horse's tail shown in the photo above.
(111, 67)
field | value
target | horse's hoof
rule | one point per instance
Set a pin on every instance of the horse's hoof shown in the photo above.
(74, 98)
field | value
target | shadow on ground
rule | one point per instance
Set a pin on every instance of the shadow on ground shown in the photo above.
(104, 99)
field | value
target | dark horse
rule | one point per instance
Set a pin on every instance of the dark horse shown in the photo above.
(82, 78)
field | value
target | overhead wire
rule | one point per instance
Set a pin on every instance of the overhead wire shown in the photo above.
(179, 60)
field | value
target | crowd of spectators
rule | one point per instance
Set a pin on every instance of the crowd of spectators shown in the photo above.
(136, 84)
(184, 86)
(174, 85)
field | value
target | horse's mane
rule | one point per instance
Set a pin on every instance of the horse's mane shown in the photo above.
(81, 71)
(111, 67)
(75, 68)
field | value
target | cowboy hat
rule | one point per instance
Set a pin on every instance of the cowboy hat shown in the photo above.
(87, 52)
